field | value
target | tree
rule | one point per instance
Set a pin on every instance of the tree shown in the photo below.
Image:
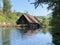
(0, 5)
(6, 7)
(54, 5)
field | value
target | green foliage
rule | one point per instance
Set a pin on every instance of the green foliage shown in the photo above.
(6, 15)
(13, 18)
(2, 19)
(55, 20)
(6, 7)
(18, 14)
(44, 20)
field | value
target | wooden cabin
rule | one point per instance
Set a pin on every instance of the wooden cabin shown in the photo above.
(29, 21)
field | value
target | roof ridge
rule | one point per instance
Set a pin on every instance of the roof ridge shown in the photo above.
(30, 18)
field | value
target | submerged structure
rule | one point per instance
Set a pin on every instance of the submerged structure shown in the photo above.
(28, 21)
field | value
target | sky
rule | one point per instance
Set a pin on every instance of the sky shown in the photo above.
(25, 6)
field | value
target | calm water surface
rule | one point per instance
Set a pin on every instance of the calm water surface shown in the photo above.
(15, 36)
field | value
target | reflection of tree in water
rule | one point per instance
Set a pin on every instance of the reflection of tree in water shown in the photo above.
(56, 36)
(44, 30)
(5, 36)
(0, 37)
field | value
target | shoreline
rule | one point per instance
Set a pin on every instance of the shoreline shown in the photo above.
(9, 25)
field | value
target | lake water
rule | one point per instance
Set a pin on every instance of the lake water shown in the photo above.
(16, 36)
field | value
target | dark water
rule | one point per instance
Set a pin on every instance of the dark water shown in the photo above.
(16, 36)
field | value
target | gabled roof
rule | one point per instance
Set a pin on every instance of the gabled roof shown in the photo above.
(31, 19)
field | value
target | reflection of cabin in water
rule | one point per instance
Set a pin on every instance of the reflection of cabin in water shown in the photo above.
(28, 20)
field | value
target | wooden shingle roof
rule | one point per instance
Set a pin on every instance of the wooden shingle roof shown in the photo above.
(31, 19)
